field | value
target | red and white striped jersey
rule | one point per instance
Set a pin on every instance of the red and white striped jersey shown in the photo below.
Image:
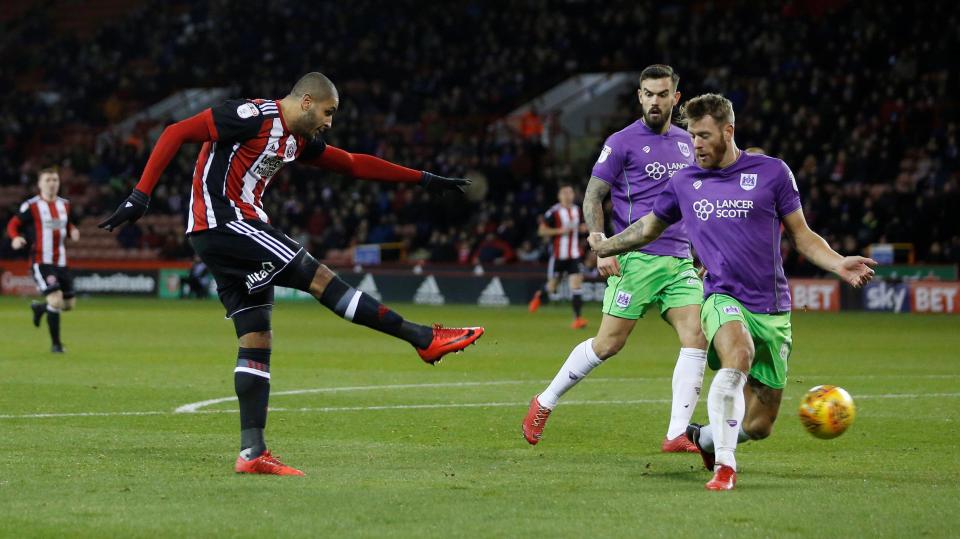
(566, 246)
(232, 172)
(50, 220)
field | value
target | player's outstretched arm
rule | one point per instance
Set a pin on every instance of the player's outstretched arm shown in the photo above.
(197, 128)
(368, 167)
(855, 270)
(641, 232)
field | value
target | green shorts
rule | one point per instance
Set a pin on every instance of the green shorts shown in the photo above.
(647, 279)
(772, 337)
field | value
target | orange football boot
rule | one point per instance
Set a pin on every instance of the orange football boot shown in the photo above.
(264, 464)
(446, 340)
(680, 444)
(535, 421)
(534, 303)
(724, 478)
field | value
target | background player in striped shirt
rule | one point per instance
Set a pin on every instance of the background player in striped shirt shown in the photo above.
(563, 224)
(46, 218)
(245, 142)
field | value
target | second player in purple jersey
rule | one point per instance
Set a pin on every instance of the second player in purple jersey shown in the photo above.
(637, 162)
(746, 200)
(733, 205)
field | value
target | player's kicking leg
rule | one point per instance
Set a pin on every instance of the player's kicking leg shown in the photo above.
(687, 376)
(585, 357)
(353, 305)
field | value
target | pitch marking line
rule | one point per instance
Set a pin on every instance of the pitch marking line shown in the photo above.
(196, 407)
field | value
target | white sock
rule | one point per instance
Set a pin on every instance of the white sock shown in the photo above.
(687, 381)
(706, 437)
(579, 363)
(726, 407)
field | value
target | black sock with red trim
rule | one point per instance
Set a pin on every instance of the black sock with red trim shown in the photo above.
(359, 308)
(251, 380)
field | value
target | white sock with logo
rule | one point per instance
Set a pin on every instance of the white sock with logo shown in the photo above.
(687, 381)
(579, 363)
(726, 406)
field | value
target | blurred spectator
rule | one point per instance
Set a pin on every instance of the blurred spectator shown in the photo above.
(861, 102)
(197, 281)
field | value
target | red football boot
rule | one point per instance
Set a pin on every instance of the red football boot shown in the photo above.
(264, 464)
(446, 340)
(534, 303)
(693, 434)
(680, 444)
(724, 478)
(579, 323)
(535, 421)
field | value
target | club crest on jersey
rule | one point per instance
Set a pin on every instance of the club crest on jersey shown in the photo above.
(697, 184)
(684, 148)
(604, 153)
(248, 110)
(748, 181)
(646, 149)
(623, 299)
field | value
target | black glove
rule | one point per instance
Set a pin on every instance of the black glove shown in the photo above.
(433, 182)
(130, 210)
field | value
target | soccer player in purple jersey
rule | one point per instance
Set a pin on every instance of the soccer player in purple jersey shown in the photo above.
(633, 168)
(732, 204)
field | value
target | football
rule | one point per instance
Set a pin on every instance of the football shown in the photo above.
(827, 411)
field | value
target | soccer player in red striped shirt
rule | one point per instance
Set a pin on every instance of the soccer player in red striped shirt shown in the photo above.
(46, 218)
(562, 224)
(245, 143)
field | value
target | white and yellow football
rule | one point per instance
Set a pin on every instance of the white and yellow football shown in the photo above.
(827, 411)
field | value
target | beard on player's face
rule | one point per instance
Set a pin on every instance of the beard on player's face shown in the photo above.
(712, 154)
(656, 117)
(308, 125)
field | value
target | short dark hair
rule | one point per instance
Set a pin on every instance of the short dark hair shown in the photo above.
(316, 84)
(660, 71)
(715, 105)
(48, 169)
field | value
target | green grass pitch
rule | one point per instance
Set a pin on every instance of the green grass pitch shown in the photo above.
(92, 446)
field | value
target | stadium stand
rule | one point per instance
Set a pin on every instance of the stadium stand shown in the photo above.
(861, 104)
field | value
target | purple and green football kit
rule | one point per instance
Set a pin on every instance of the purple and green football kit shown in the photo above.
(733, 217)
(638, 162)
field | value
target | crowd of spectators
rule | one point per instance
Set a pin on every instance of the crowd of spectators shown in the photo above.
(861, 103)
